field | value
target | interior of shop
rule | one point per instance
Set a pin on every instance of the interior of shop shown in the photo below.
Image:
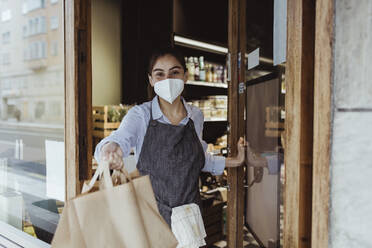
(123, 36)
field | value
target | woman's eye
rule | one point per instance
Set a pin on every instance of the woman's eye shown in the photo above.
(175, 73)
(159, 74)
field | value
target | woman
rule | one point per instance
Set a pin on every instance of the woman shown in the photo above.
(166, 134)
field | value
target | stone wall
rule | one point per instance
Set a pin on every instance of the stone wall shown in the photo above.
(351, 155)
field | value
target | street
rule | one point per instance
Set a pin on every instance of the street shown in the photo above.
(33, 138)
(25, 175)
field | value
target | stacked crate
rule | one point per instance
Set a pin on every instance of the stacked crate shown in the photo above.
(213, 222)
(101, 125)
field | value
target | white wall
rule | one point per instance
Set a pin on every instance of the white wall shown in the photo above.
(106, 52)
(351, 159)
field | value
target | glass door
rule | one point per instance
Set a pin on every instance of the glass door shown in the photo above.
(265, 117)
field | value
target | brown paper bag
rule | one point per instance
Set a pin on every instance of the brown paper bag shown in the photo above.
(120, 216)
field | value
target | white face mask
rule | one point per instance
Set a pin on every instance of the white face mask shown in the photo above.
(169, 89)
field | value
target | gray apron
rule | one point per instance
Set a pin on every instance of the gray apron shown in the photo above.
(173, 157)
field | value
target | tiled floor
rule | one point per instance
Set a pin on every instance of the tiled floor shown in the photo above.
(248, 241)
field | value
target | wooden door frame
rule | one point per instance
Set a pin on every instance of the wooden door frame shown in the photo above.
(307, 152)
(308, 123)
(78, 94)
(236, 108)
(323, 80)
(299, 107)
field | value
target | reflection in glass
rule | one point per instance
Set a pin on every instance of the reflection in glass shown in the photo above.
(265, 127)
(31, 115)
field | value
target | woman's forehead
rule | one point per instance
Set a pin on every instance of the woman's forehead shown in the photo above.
(166, 62)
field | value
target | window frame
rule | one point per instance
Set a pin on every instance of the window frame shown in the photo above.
(12, 237)
(78, 112)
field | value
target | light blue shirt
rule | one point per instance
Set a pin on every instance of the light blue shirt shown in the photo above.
(132, 130)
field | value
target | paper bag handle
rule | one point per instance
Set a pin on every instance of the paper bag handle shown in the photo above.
(104, 169)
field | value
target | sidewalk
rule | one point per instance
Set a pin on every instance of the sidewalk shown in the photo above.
(31, 125)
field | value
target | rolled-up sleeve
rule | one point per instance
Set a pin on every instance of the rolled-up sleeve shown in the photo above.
(213, 164)
(126, 135)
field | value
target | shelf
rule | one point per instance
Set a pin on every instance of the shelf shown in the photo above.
(207, 84)
(200, 45)
(214, 119)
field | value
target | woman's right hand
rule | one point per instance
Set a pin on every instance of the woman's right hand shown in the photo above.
(112, 153)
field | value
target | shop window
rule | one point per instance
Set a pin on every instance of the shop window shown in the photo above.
(32, 179)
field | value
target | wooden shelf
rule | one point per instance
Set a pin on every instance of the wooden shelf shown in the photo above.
(214, 119)
(207, 84)
(189, 42)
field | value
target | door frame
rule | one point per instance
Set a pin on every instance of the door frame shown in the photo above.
(323, 80)
(78, 111)
(78, 94)
(308, 99)
(308, 123)
(308, 115)
(236, 108)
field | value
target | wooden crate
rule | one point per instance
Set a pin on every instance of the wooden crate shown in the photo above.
(213, 222)
(101, 127)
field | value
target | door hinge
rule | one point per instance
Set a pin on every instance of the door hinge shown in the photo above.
(228, 128)
(241, 87)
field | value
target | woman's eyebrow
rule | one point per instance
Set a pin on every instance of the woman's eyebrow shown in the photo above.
(175, 67)
(157, 69)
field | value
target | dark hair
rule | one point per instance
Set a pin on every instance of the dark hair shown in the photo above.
(161, 52)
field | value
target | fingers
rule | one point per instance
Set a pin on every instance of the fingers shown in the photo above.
(112, 153)
(115, 161)
(242, 142)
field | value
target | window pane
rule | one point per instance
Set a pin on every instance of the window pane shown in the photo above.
(32, 100)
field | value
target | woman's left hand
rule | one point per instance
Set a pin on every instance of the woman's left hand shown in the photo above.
(240, 158)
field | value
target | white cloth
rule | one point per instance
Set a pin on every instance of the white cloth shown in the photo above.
(187, 226)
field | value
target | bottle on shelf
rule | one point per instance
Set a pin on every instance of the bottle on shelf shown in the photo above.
(214, 71)
(211, 72)
(201, 69)
(191, 68)
(219, 74)
(224, 75)
(187, 64)
(207, 73)
(197, 69)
